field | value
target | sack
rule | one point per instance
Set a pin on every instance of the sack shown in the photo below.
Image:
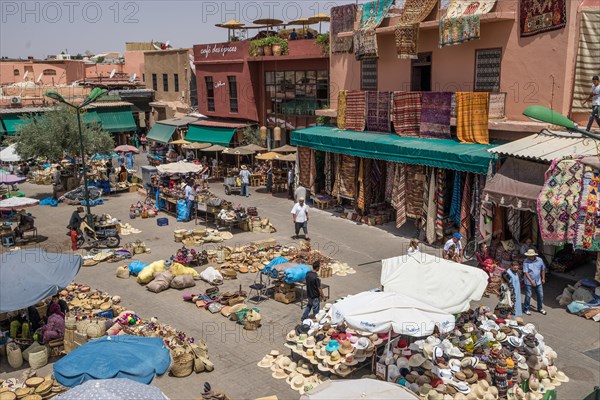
(296, 274)
(183, 212)
(135, 267)
(161, 282)
(182, 282)
(211, 275)
(38, 359)
(14, 355)
(179, 269)
(147, 274)
(122, 272)
(34, 348)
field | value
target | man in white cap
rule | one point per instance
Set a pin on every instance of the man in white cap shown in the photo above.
(535, 277)
(300, 218)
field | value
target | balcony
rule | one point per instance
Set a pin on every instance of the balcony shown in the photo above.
(297, 50)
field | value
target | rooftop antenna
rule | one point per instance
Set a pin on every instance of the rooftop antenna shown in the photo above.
(25, 76)
(132, 77)
(112, 73)
(39, 79)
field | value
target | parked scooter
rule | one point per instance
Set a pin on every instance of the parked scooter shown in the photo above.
(101, 236)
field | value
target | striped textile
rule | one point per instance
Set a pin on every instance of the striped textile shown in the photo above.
(588, 62)
(337, 178)
(465, 209)
(355, 110)
(472, 117)
(455, 204)
(304, 173)
(431, 207)
(399, 194)
(360, 199)
(435, 115)
(342, 20)
(424, 209)
(348, 176)
(328, 173)
(415, 185)
(587, 235)
(341, 110)
(439, 221)
(313, 172)
(389, 180)
(378, 111)
(368, 182)
(406, 113)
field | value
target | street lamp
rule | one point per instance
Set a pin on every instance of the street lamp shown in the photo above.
(94, 95)
(543, 114)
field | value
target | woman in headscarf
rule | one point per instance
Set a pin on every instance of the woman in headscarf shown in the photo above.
(55, 327)
(515, 280)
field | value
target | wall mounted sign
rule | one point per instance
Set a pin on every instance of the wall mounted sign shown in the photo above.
(217, 49)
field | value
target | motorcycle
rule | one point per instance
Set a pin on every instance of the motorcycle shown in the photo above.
(101, 236)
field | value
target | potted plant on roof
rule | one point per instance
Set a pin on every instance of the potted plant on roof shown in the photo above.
(266, 45)
(256, 48)
(323, 41)
(278, 45)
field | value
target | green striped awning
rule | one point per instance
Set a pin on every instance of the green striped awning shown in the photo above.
(210, 134)
(116, 119)
(91, 117)
(12, 121)
(161, 133)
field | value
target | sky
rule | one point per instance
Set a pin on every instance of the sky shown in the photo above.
(41, 28)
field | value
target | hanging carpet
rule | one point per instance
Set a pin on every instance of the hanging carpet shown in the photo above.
(378, 111)
(406, 114)
(355, 110)
(472, 117)
(435, 115)
(342, 20)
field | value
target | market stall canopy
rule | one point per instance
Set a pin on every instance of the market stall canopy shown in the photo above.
(196, 146)
(113, 389)
(367, 389)
(238, 152)
(214, 147)
(285, 149)
(517, 184)
(134, 357)
(116, 119)
(252, 147)
(9, 154)
(441, 283)
(288, 157)
(379, 312)
(320, 17)
(9, 179)
(161, 133)
(269, 156)
(29, 276)
(14, 203)
(125, 148)
(180, 141)
(181, 167)
(210, 134)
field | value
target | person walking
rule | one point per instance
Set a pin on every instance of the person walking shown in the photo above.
(515, 281)
(594, 97)
(300, 218)
(314, 292)
(245, 177)
(143, 141)
(190, 198)
(535, 277)
(453, 249)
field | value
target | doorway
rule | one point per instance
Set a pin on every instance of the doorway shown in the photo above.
(421, 73)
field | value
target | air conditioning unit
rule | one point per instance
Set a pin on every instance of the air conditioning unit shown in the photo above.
(15, 100)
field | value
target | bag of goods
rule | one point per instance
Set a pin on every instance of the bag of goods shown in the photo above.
(34, 348)
(38, 359)
(179, 269)
(211, 275)
(182, 282)
(14, 355)
(161, 282)
(135, 267)
(296, 274)
(123, 272)
(147, 274)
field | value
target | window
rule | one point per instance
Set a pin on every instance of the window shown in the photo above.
(143, 77)
(49, 72)
(210, 93)
(16, 72)
(368, 75)
(154, 82)
(487, 70)
(233, 95)
(296, 92)
(176, 82)
(165, 82)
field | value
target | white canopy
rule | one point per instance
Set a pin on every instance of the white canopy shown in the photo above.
(13, 203)
(371, 389)
(9, 154)
(444, 284)
(179, 168)
(379, 312)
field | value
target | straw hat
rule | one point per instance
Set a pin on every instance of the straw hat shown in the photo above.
(243, 167)
(309, 343)
(334, 358)
(274, 353)
(297, 383)
(346, 348)
(304, 368)
(291, 376)
(279, 374)
(266, 362)
(561, 377)
(283, 363)
(530, 253)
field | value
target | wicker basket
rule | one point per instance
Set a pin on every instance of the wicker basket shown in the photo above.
(69, 340)
(251, 325)
(96, 329)
(182, 365)
(42, 309)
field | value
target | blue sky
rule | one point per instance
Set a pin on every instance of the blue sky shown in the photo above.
(40, 28)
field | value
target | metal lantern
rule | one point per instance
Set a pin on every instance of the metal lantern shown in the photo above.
(277, 134)
(263, 133)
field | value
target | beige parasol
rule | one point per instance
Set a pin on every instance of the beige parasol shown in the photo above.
(269, 156)
(268, 21)
(180, 141)
(288, 157)
(285, 149)
(196, 146)
(231, 25)
(252, 147)
(320, 17)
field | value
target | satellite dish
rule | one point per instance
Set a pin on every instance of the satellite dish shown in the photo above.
(25, 75)
(132, 77)
(112, 73)
(39, 79)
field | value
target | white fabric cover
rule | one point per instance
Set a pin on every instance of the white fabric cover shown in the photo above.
(359, 389)
(179, 168)
(9, 154)
(379, 312)
(17, 202)
(443, 284)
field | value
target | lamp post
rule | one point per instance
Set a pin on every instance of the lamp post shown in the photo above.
(543, 114)
(94, 95)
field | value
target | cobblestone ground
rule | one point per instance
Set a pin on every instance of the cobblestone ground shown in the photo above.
(234, 351)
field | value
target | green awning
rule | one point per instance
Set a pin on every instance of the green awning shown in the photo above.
(91, 117)
(11, 122)
(441, 153)
(117, 119)
(210, 134)
(161, 133)
(2, 130)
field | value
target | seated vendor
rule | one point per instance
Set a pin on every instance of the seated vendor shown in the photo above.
(64, 308)
(25, 223)
(55, 327)
(527, 245)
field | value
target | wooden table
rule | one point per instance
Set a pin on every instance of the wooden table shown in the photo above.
(324, 204)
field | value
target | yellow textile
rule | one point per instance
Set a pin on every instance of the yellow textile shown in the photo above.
(179, 269)
(472, 117)
(147, 274)
(341, 110)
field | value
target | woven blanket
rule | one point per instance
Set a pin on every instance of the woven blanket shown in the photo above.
(399, 193)
(365, 45)
(415, 186)
(588, 218)
(407, 39)
(341, 110)
(497, 105)
(558, 201)
(342, 20)
(406, 113)
(456, 202)
(459, 30)
(337, 175)
(472, 117)
(465, 208)
(435, 115)
(360, 199)
(304, 173)
(378, 111)
(355, 110)
(313, 172)
(588, 63)
(440, 194)
(348, 176)
(431, 207)
(328, 172)
(389, 180)
(537, 16)
(373, 12)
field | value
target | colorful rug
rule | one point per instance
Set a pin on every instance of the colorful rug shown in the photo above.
(456, 202)
(304, 173)
(368, 182)
(341, 110)
(487, 70)
(399, 193)
(587, 57)
(588, 226)
(431, 207)
(459, 30)
(360, 199)
(355, 110)
(558, 201)
(378, 111)
(415, 186)
(389, 180)
(422, 222)
(497, 105)
(538, 16)
(472, 117)
(365, 39)
(435, 115)
(337, 175)
(458, 8)
(407, 39)
(347, 176)
(328, 172)
(465, 208)
(313, 172)
(440, 194)
(342, 20)
(406, 113)
(365, 45)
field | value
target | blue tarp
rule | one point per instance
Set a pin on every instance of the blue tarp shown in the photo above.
(29, 276)
(117, 388)
(134, 357)
(276, 261)
(296, 274)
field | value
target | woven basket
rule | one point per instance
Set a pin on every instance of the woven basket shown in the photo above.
(38, 359)
(96, 329)
(182, 365)
(251, 325)
(42, 309)
(14, 355)
(70, 322)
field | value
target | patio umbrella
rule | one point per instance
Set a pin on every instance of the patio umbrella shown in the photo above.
(113, 389)
(216, 148)
(252, 147)
(14, 203)
(238, 152)
(9, 179)
(301, 21)
(285, 149)
(125, 148)
(231, 25)
(180, 141)
(359, 389)
(268, 21)
(196, 146)
(269, 156)
(179, 168)
(29, 276)
(320, 17)
(123, 356)
(291, 157)
(9, 154)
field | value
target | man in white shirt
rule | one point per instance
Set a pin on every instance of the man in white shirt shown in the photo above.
(595, 98)
(453, 249)
(190, 198)
(300, 192)
(300, 218)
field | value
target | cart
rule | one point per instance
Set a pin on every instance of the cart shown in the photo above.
(231, 185)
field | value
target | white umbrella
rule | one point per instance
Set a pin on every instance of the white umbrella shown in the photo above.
(179, 168)
(359, 389)
(13, 203)
(9, 154)
(379, 312)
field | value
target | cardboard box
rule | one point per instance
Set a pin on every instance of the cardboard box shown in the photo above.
(285, 298)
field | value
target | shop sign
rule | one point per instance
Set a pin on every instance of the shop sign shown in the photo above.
(218, 49)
